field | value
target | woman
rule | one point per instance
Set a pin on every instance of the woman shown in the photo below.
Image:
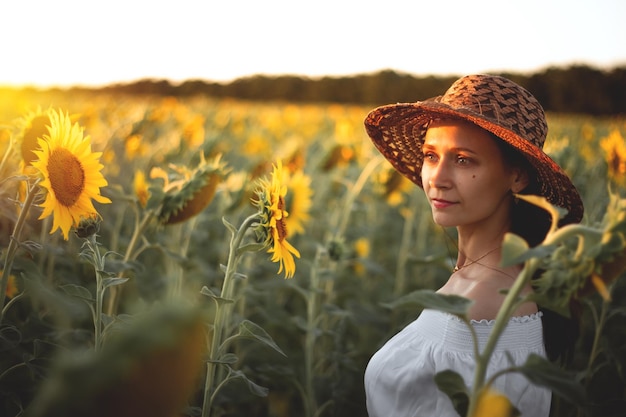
(471, 150)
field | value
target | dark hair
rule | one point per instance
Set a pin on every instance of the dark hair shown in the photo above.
(532, 223)
(527, 220)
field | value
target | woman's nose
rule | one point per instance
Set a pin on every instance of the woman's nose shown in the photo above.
(438, 175)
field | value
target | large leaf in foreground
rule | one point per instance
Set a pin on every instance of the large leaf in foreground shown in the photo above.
(452, 304)
(452, 384)
(542, 372)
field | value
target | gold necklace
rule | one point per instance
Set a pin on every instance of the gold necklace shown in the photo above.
(457, 268)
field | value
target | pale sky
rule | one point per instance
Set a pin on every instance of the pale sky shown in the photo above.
(82, 42)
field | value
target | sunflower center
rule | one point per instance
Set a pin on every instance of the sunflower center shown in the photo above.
(281, 226)
(67, 176)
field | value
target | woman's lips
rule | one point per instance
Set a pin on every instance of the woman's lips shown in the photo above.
(441, 204)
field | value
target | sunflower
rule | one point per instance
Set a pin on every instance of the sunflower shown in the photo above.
(298, 202)
(34, 126)
(191, 191)
(615, 149)
(361, 249)
(273, 226)
(393, 186)
(70, 171)
(141, 188)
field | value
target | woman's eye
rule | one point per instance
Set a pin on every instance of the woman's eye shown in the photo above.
(429, 156)
(462, 159)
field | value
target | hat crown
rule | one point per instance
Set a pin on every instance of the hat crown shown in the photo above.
(501, 101)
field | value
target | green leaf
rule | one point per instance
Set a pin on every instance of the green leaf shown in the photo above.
(254, 388)
(248, 329)
(219, 300)
(110, 282)
(542, 372)
(156, 196)
(515, 250)
(513, 247)
(235, 275)
(452, 384)
(77, 291)
(227, 359)
(452, 304)
(303, 292)
(229, 226)
(300, 323)
(251, 247)
(116, 266)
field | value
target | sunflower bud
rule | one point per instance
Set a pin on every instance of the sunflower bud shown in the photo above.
(192, 194)
(88, 226)
(494, 404)
(336, 249)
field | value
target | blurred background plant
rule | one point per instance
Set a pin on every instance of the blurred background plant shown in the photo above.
(365, 239)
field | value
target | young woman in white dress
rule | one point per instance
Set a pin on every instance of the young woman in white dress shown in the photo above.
(471, 150)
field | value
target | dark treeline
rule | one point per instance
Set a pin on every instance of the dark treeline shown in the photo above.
(574, 89)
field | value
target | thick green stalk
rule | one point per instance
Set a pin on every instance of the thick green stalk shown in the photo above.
(223, 312)
(98, 263)
(14, 243)
(599, 323)
(506, 310)
(510, 303)
(309, 344)
(406, 248)
(129, 255)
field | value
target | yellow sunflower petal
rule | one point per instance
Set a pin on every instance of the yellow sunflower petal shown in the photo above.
(273, 227)
(601, 287)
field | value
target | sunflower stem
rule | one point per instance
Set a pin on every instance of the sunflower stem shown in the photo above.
(512, 300)
(6, 155)
(98, 264)
(502, 319)
(406, 248)
(311, 332)
(353, 193)
(14, 243)
(223, 312)
(130, 254)
(599, 324)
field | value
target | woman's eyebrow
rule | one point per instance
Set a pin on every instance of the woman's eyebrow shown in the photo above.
(455, 149)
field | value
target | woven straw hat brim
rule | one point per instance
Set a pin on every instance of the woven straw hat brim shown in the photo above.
(397, 131)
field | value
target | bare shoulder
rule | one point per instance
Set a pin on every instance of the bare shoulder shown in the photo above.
(486, 290)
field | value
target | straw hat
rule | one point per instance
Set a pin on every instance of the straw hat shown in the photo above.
(494, 103)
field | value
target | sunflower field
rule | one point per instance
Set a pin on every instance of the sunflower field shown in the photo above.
(216, 257)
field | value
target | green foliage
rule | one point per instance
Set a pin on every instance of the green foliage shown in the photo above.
(290, 347)
(453, 385)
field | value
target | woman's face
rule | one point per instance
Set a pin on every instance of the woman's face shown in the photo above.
(465, 176)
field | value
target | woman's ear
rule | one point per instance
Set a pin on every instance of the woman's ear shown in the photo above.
(520, 180)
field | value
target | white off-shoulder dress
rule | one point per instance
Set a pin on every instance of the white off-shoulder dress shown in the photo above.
(399, 379)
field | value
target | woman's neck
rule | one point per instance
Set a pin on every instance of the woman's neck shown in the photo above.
(472, 247)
